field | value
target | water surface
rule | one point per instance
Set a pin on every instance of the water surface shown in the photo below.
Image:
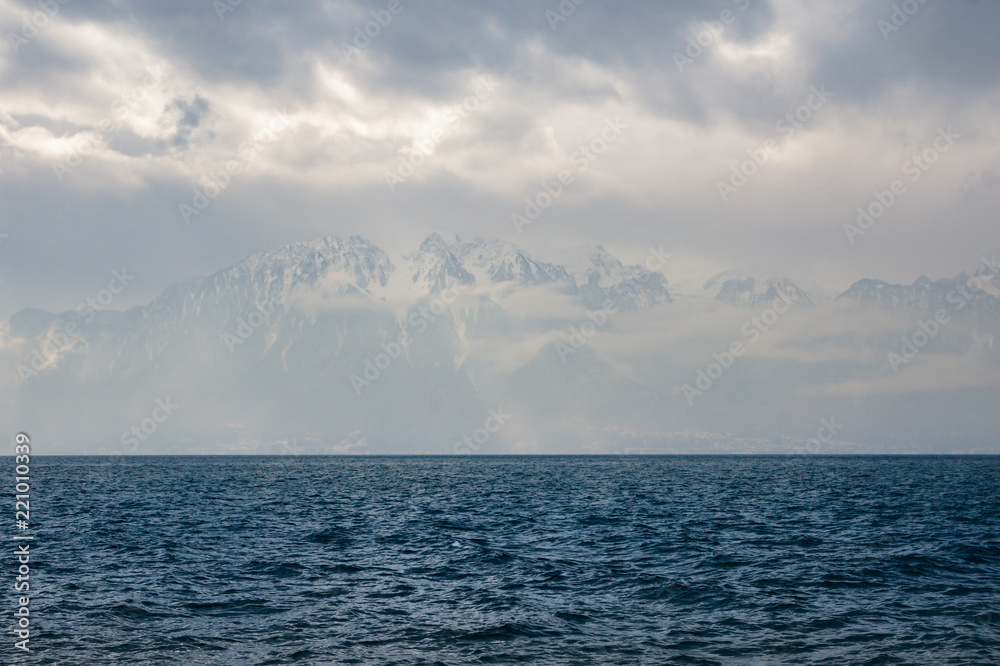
(554, 560)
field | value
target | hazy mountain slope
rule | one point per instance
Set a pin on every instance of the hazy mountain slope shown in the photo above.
(332, 344)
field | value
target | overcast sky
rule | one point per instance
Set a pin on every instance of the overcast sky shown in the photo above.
(113, 114)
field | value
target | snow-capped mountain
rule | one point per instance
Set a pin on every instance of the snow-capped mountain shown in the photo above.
(333, 343)
(305, 319)
(741, 290)
(435, 267)
(356, 263)
(924, 295)
(631, 287)
(498, 261)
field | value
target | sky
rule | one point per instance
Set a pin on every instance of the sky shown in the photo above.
(734, 134)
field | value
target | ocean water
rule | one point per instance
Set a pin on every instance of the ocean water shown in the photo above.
(515, 560)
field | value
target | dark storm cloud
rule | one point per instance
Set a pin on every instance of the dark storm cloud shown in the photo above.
(428, 46)
(945, 46)
(423, 52)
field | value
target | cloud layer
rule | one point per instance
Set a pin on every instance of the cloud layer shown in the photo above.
(116, 115)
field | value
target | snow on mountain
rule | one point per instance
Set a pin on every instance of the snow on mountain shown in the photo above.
(597, 276)
(604, 269)
(329, 266)
(342, 267)
(740, 290)
(357, 262)
(434, 267)
(331, 341)
(498, 261)
(925, 295)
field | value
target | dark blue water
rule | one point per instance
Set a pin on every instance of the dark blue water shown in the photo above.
(617, 560)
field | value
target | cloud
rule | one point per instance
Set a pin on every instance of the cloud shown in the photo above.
(351, 122)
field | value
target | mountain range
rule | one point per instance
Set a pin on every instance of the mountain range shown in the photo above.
(331, 346)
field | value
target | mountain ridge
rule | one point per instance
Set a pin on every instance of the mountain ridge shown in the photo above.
(331, 340)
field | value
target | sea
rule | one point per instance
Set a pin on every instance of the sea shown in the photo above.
(512, 560)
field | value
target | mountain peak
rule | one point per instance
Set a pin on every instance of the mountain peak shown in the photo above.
(434, 242)
(605, 278)
(742, 290)
(921, 296)
(499, 261)
(355, 262)
(435, 267)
